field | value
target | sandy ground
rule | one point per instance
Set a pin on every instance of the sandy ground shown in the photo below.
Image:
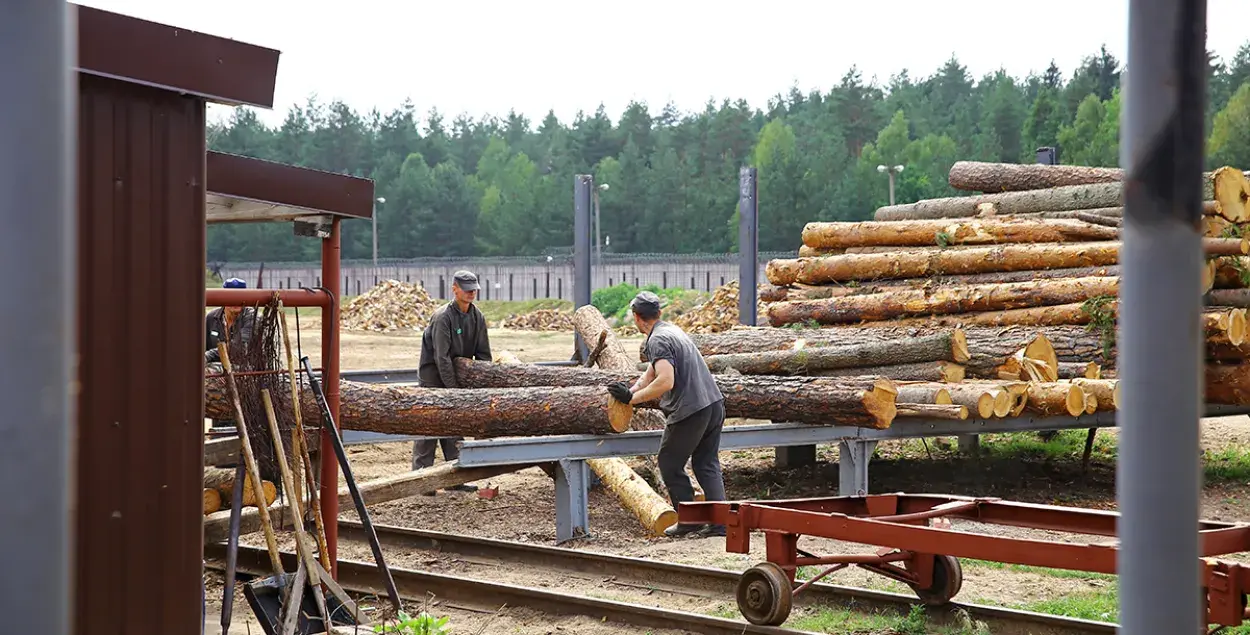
(525, 507)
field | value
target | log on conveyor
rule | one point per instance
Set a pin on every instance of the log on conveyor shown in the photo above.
(589, 323)
(866, 399)
(944, 300)
(924, 392)
(1053, 399)
(1105, 391)
(933, 411)
(456, 412)
(919, 233)
(949, 347)
(925, 371)
(1228, 384)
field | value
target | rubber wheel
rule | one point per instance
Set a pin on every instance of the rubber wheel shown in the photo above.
(765, 594)
(948, 579)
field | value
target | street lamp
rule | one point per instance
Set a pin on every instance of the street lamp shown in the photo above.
(891, 171)
(375, 229)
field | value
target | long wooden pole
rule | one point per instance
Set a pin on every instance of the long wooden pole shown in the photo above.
(298, 442)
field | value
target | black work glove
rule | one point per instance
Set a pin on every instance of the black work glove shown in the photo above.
(620, 391)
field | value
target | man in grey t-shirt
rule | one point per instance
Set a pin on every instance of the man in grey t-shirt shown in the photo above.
(695, 409)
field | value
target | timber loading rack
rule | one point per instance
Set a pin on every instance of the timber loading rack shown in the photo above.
(920, 549)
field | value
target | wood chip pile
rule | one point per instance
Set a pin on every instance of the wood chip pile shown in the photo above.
(719, 313)
(1028, 273)
(540, 320)
(390, 306)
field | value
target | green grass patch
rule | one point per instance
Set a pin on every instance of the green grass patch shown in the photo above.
(823, 619)
(1024, 568)
(1230, 463)
(1067, 444)
(496, 310)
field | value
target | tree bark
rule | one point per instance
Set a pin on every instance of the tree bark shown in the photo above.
(924, 392)
(921, 264)
(1079, 370)
(927, 371)
(635, 494)
(1069, 197)
(1106, 391)
(949, 346)
(1056, 399)
(981, 231)
(775, 293)
(977, 176)
(1228, 297)
(212, 501)
(1228, 384)
(933, 411)
(222, 480)
(456, 412)
(589, 323)
(967, 299)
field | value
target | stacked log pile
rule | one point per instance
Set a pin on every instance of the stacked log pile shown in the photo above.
(1027, 271)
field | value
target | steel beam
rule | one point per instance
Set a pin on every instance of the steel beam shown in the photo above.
(37, 197)
(572, 501)
(853, 460)
(1160, 341)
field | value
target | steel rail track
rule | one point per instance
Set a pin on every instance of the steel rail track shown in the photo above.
(719, 581)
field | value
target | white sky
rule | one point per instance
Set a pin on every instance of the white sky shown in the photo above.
(487, 56)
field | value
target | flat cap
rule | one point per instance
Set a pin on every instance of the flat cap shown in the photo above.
(645, 300)
(466, 280)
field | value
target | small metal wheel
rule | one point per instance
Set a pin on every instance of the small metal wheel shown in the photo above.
(948, 579)
(764, 594)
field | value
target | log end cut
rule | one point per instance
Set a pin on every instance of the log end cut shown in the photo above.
(1236, 327)
(880, 402)
(212, 501)
(619, 414)
(959, 347)
(1232, 194)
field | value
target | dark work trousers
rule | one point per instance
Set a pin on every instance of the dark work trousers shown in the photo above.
(696, 439)
(423, 451)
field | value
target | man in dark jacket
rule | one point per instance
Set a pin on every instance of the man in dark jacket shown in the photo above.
(456, 329)
(241, 321)
(695, 408)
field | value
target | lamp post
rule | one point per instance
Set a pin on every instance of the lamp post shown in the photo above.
(598, 250)
(375, 229)
(891, 171)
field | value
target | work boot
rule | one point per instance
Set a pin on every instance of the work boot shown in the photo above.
(682, 529)
(462, 488)
(710, 531)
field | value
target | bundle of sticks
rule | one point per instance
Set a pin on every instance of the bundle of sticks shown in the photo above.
(1029, 267)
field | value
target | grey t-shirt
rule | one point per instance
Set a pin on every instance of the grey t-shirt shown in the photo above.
(694, 388)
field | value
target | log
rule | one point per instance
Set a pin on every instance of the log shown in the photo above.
(775, 293)
(1232, 194)
(1232, 272)
(921, 264)
(1228, 297)
(1099, 219)
(1208, 210)
(994, 352)
(978, 176)
(1069, 197)
(1106, 391)
(222, 480)
(382, 490)
(458, 412)
(1228, 384)
(635, 494)
(1057, 315)
(945, 300)
(212, 500)
(920, 233)
(588, 322)
(924, 393)
(1079, 370)
(982, 402)
(1053, 399)
(933, 411)
(927, 371)
(949, 346)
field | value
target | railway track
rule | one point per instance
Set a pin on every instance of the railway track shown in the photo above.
(647, 577)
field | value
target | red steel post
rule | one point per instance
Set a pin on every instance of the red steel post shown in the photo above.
(252, 297)
(330, 254)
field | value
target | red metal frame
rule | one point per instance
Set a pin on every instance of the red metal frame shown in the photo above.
(902, 524)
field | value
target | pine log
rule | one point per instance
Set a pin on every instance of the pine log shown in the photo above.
(1232, 194)
(927, 371)
(920, 264)
(981, 401)
(1056, 399)
(1228, 384)
(212, 501)
(1232, 272)
(1226, 246)
(635, 494)
(1070, 197)
(933, 411)
(924, 393)
(977, 176)
(775, 293)
(949, 346)
(222, 480)
(589, 323)
(1228, 297)
(799, 399)
(945, 300)
(836, 235)
(1209, 209)
(1057, 315)
(443, 412)
(1079, 370)
(1107, 391)
(1017, 392)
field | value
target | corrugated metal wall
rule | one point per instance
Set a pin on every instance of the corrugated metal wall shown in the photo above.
(141, 299)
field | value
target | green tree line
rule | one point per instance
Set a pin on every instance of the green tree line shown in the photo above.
(503, 186)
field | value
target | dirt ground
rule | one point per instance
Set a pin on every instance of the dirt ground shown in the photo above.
(1012, 469)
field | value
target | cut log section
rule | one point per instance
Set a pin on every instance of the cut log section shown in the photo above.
(1232, 194)
(933, 411)
(921, 264)
(1107, 391)
(920, 233)
(1228, 384)
(1079, 370)
(982, 402)
(977, 176)
(222, 480)
(948, 372)
(1054, 399)
(1069, 197)
(924, 392)
(949, 346)
(588, 322)
(946, 300)
(635, 494)
(458, 412)
(212, 501)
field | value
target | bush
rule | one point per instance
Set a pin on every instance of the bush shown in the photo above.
(613, 301)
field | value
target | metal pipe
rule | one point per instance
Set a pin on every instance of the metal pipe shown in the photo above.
(37, 195)
(1160, 332)
(330, 260)
(253, 297)
(748, 244)
(583, 185)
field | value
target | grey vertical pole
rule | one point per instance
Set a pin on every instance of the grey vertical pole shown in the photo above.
(583, 185)
(1160, 300)
(37, 195)
(748, 244)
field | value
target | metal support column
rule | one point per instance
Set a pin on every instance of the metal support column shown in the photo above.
(748, 244)
(583, 186)
(572, 506)
(1160, 300)
(331, 251)
(37, 197)
(853, 458)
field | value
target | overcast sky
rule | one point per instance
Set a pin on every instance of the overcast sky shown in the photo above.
(485, 57)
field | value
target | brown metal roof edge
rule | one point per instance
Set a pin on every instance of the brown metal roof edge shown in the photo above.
(288, 185)
(216, 69)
